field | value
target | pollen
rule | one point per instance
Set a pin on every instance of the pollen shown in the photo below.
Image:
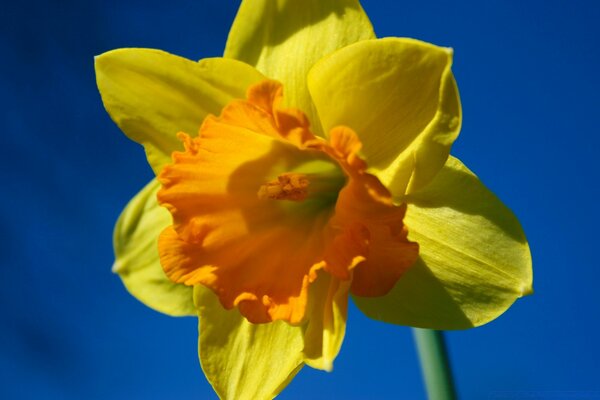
(287, 186)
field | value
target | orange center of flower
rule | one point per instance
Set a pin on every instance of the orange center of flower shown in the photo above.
(287, 186)
(261, 255)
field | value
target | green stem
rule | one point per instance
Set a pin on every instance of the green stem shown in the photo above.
(434, 364)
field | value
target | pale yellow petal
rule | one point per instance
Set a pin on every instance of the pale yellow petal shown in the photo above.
(475, 260)
(284, 38)
(245, 361)
(136, 255)
(400, 97)
(152, 95)
(327, 325)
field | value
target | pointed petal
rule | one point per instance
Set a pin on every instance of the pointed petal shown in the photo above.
(284, 39)
(475, 260)
(244, 360)
(400, 97)
(327, 321)
(153, 95)
(136, 255)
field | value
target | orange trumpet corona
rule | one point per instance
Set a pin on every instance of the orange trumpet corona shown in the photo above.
(262, 255)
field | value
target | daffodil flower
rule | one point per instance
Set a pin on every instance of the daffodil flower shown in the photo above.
(308, 165)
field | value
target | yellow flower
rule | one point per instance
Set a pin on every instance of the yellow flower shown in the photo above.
(321, 170)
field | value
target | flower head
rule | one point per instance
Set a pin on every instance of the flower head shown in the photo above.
(260, 205)
(310, 164)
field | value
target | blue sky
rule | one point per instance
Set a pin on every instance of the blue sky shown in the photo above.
(527, 74)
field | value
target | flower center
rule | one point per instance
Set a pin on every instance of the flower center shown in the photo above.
(288, 186)
(305, 185)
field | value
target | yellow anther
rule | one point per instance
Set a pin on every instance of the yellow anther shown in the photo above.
(288, 186)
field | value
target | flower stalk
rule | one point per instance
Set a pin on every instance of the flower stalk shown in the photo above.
(435, 365)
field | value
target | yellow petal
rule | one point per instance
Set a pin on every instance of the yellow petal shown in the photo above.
(284, 38)
(243, 360)
(475, 260)
(153, 95)
(327, 325)
(400, 97)
(136, 253)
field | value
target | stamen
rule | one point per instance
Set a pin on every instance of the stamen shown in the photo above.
(289, 186)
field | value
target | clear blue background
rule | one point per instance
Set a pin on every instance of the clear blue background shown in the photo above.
(528, 75)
